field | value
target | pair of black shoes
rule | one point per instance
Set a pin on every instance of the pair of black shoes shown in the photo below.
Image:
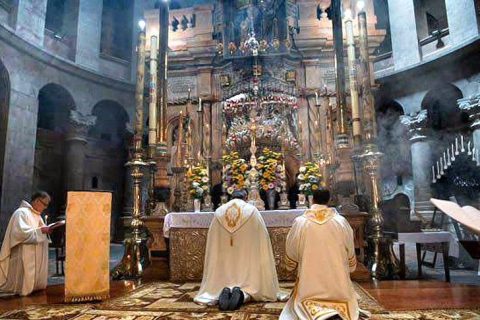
(230, 299)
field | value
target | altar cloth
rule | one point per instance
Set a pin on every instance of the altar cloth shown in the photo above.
(192, 220)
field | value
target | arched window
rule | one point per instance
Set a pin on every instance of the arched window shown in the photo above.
(117, 20)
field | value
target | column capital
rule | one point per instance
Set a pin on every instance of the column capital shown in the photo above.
(78, 125)
(416, 124)
(472, 106)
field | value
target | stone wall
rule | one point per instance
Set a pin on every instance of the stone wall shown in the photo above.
(31, 68)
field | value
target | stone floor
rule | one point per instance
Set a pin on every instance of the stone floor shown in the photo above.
(460, 276)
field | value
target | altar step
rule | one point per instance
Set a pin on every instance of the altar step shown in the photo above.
(361, 274)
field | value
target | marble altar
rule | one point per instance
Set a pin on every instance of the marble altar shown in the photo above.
(187, 234)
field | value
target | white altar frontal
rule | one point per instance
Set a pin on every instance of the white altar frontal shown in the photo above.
(202, 220)
(187, 234)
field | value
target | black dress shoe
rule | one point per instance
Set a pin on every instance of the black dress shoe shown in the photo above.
(224, 299)
(236, 300)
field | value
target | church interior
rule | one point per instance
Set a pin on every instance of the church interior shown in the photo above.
(140, 118)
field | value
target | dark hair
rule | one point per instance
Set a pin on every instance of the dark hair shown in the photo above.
(321, 196)
(239, 194)
(39, 195)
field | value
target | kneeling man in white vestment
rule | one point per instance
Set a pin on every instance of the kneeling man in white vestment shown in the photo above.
(24, 253)
(239, 263)
(320, 245)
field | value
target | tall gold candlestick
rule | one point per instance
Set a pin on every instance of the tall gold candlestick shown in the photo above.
(134, 259)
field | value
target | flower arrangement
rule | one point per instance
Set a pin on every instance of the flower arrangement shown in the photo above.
(198, 181)
(272, 174)
(235, 171)
(309, 178)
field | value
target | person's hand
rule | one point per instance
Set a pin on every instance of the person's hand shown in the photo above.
(45, 230)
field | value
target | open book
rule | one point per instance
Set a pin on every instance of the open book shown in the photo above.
(468, 216)
(56, 224)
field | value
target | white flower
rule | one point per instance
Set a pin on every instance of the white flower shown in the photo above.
(302, 186)
(230, 190)
(278, 189)
(205, 179)
(302, 169)
(301, 177)
(205, 188)
(199, 191)
(279, 168)
(195, 184)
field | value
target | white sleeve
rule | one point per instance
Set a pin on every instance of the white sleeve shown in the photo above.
(23, 232)
(293, 254)
(350, 247)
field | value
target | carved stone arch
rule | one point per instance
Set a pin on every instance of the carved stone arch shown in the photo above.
(441, 105)
(54, 105)
(111, 123)
(172, 126)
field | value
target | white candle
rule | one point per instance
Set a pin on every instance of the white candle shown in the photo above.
(445, 161)
(449, 162)
(199, 105)
(461, 140)
(438, 170)
(453, 153)
(456, 146)
(442, 166)
(433, 174)
(473, 153)
(152, 106)
(468, 148)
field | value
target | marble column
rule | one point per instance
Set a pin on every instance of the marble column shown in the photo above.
(421, 159)
(472, 106)
(75, 146)
(403, 28)
(462, 20)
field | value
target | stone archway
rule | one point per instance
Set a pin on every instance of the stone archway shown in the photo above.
(107, 154)
(4, 107)
(393, 142)
(444, 117)
(55, 103)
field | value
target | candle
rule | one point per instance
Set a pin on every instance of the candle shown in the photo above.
(445, 162)
(433, 174)
(199, 105)
(462, 147)
(468, 148)
(449, 162)
(453, 153)
(456, 146)
(438, 170)
(180, 139)
(441, 166)
(152, 106)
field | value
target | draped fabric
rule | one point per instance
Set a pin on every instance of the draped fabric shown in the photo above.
(238, 253)
(24, 253)
(87, 275)
(320, 245)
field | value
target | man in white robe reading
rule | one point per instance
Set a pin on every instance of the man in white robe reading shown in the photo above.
(320, 245)
(24, 253)
(238, 255)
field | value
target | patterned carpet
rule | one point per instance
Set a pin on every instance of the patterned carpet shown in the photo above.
(163, 300)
